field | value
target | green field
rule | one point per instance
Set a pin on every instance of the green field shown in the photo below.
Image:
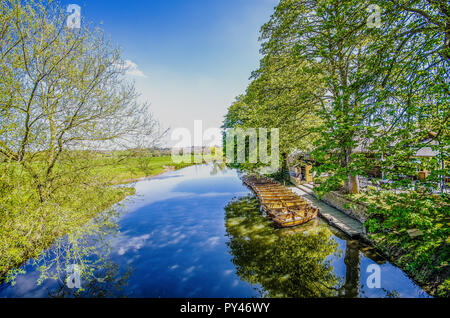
(134, 168)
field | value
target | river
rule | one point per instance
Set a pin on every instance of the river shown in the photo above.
(199, 232)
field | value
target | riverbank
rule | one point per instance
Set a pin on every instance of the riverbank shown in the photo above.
(28, 226)
(431, 277)
(411, 232)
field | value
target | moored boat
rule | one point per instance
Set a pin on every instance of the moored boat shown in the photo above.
(282, 205)
(293, 220)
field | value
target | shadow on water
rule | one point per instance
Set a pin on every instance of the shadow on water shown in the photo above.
(296, 262)
(283, 263)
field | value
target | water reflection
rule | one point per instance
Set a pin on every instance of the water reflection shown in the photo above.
(88, 250)
(173, 240)
(312, 260)
(352, 262)
(292, 265)
(217, 166)
(111, 284)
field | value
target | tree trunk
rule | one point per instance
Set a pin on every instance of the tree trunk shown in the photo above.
(352, 185)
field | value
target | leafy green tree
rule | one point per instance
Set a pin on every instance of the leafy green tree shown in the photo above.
(283, 95)
(408, 66)
(362, 87)
(379, 100)
(64, 103)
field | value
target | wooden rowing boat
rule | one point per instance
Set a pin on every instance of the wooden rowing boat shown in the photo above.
(291, 221)
(282, 205)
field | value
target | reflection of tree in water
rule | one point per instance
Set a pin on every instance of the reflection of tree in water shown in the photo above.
(87, 248)
(217, 166)
(352, 287)
(291, 265)
(352, 262)
(110, 284)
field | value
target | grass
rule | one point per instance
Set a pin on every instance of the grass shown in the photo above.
(134, 168)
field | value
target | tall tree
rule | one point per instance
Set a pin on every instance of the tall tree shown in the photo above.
(331, 37)
(283, 95)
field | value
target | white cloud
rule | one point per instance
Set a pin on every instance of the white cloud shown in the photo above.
(132, 69)
(132, 243)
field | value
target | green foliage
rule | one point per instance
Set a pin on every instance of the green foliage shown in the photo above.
(282, 95)
(395, 218)
(343, 90)
(126, 167)
(444, 289)
(64, 97)
(360, 99)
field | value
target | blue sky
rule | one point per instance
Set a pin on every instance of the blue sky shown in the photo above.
(195, 55)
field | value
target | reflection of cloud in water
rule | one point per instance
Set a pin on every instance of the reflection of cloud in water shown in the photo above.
(211, 242)
(228, 272)
(163, 177)
(167, 186)
(134, 243)
(26, 286)
(173, 235)
(174, 241)
(190, 271)
(219, 194)
(144, 199)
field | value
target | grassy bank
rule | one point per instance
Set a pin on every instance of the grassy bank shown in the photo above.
(29, 226)
(412, 230)
(129, 169)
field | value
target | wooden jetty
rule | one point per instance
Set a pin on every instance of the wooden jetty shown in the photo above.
(335, 218)
(286, 208)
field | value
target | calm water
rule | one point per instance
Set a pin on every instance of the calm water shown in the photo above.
(199, 232)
